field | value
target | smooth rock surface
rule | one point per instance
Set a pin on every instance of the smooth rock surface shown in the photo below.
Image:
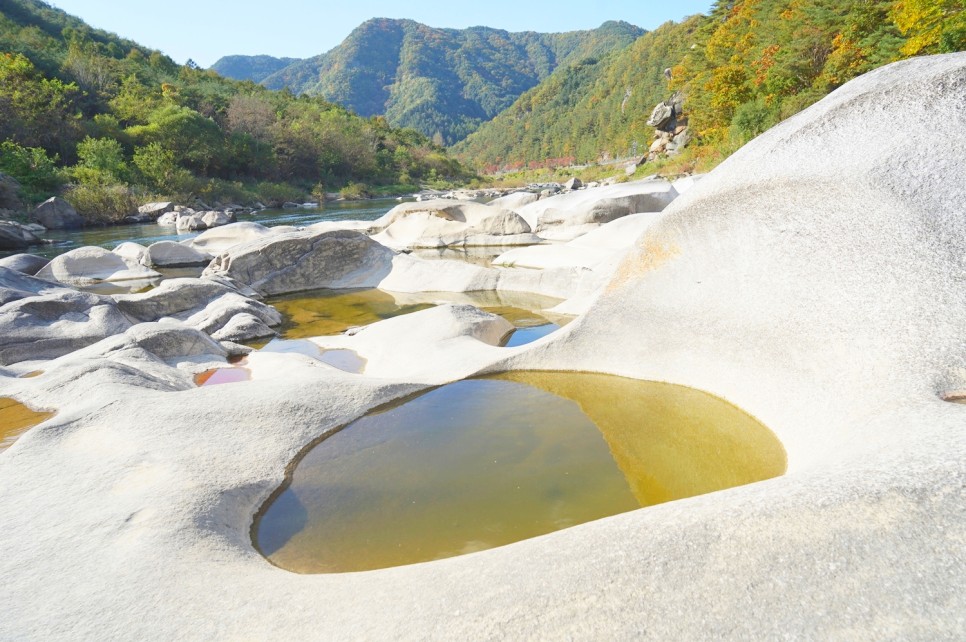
(25, 263)
(596, 206)
(216, 241)
(131, 251)
(515, 200)
(86, 265)
(57, 214)
(156, 209)
(55, 322)
(171, 254)
(299, 261)
(444, 223)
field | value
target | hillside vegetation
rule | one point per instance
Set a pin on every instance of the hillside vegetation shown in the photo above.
(253, 68)
(441, 82)
(744, 67)
(114, 123)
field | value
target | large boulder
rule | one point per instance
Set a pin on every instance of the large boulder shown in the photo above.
(203, 304)
(444, 223)
(815, 279)
(10, 194)
(170, 255)
(515, 200)
(191, 222)
(178, 298)
(567, 216)
(14, 236)
(300, 261)
(88, 265)
(155, 210)
(25, 263)
(132, 252)
(243, 327)
(57, 214)
(53, 322)
(218, 240)
(221, 313)
(218, 218)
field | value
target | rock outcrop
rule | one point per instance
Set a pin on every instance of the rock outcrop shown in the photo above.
(515, 201)
(155, 210)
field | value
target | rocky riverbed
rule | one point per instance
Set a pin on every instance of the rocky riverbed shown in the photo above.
(814, 279)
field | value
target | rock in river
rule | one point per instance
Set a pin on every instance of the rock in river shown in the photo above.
(299, 261)
(87, 265)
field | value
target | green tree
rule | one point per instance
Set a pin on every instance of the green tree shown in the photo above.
(932, 26)
(159, 168)
(195, 140)
(100, 162)
(34, 110)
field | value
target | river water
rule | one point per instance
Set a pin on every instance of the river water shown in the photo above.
(110, 237)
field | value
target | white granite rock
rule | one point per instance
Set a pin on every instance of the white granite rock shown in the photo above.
(170, 254)
(444, 223)
(87, 265)
(218, 240)
(596, 206)
(299, 261)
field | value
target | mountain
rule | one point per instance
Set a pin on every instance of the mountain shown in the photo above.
(109, 123)
(586, 109)
(441, 81)
(253, 68)
(742, 68)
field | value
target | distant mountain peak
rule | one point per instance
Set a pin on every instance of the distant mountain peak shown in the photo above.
(254, 68)
(435, 80)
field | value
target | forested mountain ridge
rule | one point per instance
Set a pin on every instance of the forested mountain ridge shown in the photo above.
(742, 68)
(112, 123)
(253, 68)
(441, 81)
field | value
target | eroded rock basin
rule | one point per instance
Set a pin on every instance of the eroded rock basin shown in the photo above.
(486, 462)
(329, 312)
(16, 419)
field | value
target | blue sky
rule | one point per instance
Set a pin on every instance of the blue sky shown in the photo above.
(204, 30)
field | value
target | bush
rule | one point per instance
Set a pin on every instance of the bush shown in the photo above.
(36, 172)
(275, 194)
(354, 191)
(222, 191)
(103, 204)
